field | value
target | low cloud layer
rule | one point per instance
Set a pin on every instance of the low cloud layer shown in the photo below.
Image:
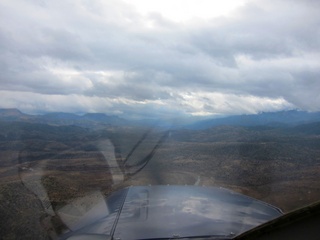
(106, 56)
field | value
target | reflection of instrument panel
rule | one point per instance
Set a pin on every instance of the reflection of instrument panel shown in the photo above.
(136, 207)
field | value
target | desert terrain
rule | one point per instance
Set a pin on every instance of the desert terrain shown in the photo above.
(45, 167)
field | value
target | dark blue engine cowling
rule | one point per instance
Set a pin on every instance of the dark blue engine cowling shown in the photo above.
(166, 212)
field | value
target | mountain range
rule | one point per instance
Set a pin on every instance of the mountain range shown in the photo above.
(274, 119)
(61, 118)
(95, 120)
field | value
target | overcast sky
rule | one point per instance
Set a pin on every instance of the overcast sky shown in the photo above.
(166, 58)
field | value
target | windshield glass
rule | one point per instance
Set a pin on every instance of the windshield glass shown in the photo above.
(98, 96)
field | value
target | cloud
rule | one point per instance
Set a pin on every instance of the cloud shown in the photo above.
(106, 56)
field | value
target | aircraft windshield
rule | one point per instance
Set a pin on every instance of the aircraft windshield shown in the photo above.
(99, 97)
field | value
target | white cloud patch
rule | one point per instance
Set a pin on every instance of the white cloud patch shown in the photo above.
(203, 104)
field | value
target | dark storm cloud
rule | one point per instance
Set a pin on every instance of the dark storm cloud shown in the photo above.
(105, 56)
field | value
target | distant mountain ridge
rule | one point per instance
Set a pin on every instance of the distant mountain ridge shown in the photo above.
(61, 118)
(292, 117)
(10, 112)
(13, 114)
(92, 120)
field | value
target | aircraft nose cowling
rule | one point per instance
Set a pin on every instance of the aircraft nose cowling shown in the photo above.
(151, 212)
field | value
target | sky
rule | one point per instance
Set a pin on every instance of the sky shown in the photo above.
(160, 58)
